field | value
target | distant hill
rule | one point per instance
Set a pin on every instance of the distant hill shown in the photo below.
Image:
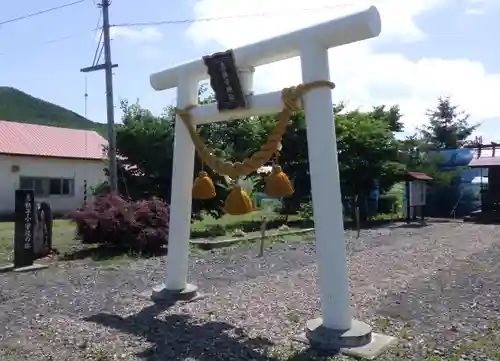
(18, 106)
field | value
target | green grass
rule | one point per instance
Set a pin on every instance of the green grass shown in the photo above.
(64, 242)
(235, 226)
(227, 222)
(208, 228)
(9, 226)
(63, 239)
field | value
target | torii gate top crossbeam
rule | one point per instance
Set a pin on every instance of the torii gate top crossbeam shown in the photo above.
(336, 32)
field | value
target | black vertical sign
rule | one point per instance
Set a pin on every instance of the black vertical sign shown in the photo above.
(225, 81)
(24, 228)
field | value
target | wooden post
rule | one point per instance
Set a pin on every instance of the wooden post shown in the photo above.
(408, 208)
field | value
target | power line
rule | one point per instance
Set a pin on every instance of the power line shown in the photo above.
(62, 38)
(190, 21)
(27, 16)
(98, 22)
(98, 54)
(96, 60)
(98, 50)
(53, 41)
(219, 18)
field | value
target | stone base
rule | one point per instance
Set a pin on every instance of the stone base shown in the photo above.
(33, 267)
(318, 335)
(6, 268)
(161, 294)
(377, 346)
(359, 341)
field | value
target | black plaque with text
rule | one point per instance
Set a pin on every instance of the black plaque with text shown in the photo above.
(24, 228)
(225, 81)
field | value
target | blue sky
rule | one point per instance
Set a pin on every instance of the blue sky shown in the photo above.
(52, 71)
(431, 48)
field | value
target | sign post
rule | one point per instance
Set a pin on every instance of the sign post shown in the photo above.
(24, 228)
(225, 81)
(24, 233)
(415, 195)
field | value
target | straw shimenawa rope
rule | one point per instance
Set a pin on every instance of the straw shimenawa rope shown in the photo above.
(290, 97)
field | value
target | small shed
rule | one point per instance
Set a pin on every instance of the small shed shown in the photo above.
(416, 194)
(487, 158)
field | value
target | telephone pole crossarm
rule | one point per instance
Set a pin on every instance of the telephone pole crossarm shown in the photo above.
(96, 68)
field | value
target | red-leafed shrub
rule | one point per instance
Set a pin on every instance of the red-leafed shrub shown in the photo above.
(111, 220)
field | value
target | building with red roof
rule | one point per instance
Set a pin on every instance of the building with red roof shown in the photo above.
(55, 162)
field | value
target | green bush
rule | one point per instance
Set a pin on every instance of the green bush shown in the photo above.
(306, 211)
(392, 201)
(99, 189)
(385, 217)
(211, 231)
(387, 204)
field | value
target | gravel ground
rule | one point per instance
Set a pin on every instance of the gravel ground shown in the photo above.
(432, 287)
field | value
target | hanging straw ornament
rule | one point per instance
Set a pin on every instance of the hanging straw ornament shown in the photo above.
(277, 183)
(238, 202)
(203, 187)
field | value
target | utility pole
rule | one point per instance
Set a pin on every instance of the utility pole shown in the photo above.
(110, 108)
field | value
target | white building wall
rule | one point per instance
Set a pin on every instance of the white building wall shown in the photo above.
(79, 170)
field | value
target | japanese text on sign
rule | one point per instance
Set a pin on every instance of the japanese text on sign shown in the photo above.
(227, 82)
(224, 80)
(27, 223)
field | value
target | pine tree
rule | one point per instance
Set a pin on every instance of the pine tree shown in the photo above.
(448, 126)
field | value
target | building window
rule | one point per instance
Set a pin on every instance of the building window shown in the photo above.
(39, 185)
(48, 186)
(67, 187)
(55, 186)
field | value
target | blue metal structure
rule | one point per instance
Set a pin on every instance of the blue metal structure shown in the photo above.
(463, 197)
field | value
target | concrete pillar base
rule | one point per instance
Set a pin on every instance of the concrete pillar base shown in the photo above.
(33, 267)
(161, 294)
(359, 341)
(359, 334)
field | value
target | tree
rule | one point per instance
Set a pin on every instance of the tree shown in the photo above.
(392, 117)
(417, 157)
(367, 152)
(366, 145)
(145, 147)
(448, 126)
(233, 140)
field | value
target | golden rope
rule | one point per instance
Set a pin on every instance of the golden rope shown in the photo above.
(290, 97)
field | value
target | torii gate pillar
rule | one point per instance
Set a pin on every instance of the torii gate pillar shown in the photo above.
(336, 329)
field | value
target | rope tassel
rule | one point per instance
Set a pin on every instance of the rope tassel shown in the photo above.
(277, 185)
(238, 202)
(203, 187)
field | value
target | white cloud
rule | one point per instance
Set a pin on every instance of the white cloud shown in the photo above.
(363, 76)
(480, 7)
(143, 35)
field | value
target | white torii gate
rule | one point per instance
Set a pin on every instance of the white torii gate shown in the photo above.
(311, 45)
